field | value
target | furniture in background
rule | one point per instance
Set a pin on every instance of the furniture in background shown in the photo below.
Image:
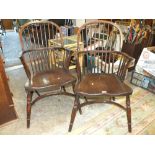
(100, 80)
(144, 73)
(20, 22)
(65, 24)
(134, 50)
(152, 37)
(2, 29)
(7, 24)
(69, 42)
(7, 111)
(47, 68)
(59, 22)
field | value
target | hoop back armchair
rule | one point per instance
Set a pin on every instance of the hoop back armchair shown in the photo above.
(101, 79)
(47, 68)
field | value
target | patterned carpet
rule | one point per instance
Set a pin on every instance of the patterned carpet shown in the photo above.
(113, 120)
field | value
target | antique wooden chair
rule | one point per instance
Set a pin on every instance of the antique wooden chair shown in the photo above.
(47, 68)
(47, 72)
(98, 63)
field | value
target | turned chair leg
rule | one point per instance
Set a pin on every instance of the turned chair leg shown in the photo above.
(128, 111)
(74, 110)
(80, 111)
(29, 99)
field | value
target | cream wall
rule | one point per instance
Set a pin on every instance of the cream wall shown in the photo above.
(78, 22)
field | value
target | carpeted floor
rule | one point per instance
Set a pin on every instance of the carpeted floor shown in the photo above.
(11, 48)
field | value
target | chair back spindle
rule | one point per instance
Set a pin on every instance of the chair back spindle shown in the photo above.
(103, 62)
(100, 35)
(36, 34)
(44, 59)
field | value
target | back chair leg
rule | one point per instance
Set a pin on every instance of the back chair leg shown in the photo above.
(85, 99)
(79, 107)
(113, 98)
(64, 89)
(128, 111)
(29, 99)
(74, 110)
(37, 93)
(1, 49)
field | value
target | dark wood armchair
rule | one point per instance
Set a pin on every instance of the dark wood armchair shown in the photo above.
(47, 68)
(100, 79)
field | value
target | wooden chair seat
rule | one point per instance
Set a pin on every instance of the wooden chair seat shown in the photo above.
(102, 84)
(55, 78)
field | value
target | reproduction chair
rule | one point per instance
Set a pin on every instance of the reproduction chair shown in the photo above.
(47, 68)
(101, 68)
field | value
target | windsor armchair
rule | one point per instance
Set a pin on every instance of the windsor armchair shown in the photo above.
(47, 68)
(100, 69)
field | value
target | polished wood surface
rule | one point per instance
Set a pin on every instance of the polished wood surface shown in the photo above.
(92, 84)
(7, 111)
(7, 24)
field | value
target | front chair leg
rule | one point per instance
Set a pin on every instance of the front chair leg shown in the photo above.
(29, 99)
(80, 111)
(74, 110)
(128, 111)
